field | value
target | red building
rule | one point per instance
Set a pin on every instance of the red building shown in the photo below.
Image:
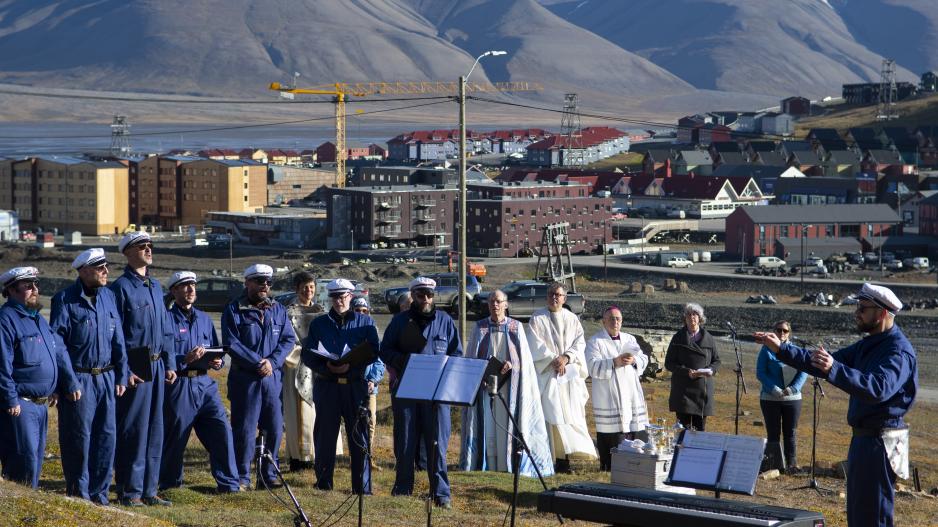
(760, 231)
(928, 216)
(796, 106)
(504, 218)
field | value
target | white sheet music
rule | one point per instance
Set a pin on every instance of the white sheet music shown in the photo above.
(421, 376)
(743, 458)
(320, 350)
(698, 465)
(460, 380)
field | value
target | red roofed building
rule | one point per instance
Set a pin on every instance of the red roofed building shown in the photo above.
(595, 143)
(596, 180)
(696, 196)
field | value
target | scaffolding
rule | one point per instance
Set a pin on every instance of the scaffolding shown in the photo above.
(120, 137)
(555, 253)
(571, 132)
(887, 92)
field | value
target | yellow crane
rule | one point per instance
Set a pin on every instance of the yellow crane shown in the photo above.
(340, 92)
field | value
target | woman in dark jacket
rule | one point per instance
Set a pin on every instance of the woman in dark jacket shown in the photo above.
(692, 359)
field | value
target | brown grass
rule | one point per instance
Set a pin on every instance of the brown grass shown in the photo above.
(915, 112)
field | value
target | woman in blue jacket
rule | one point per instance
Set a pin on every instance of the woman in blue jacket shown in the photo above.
(781, 397)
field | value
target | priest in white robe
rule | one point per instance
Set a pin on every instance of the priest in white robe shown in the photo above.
(616, 362)
(557, 347)
(489, 438)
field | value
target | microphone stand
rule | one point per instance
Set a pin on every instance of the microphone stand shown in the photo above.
(264, 455)
(364, 414)
(816, 404)
(431, 461)
(740, 380)
(517, 440)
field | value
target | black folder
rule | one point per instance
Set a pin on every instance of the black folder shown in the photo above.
(360, 355)
(495, 368)
(412, 339)
(138, 358)
(205, 361)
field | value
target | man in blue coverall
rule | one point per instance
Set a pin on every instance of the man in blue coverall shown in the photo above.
(259, 336)
(85, 318)
(193, 400)
(147, 330)
(880, 374)
(416, 421)
(341, 390)
(31, 359)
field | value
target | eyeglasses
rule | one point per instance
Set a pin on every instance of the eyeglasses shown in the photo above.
(26, 286)
(558, 295)
(782, 330)
(337, 295)
(144, 246)
(423, 294)
(261, 281)
(861, 308)
(100, 269)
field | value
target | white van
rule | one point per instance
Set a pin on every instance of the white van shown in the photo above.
(768, 262)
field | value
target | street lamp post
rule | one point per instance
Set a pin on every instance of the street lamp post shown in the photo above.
(462, 191)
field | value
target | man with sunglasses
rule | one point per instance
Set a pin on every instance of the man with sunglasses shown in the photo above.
(880, 374)
(421, 329)
(31, 363)
(340, 391)
(147, 330)
(86, 319)
(259, 336)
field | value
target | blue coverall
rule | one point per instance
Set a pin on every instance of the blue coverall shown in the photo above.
(31, 359)
(253, 334)
(342, 396)
(91, 332)
(193, 402)
(140, 410)
(440, 334)
(880, 374)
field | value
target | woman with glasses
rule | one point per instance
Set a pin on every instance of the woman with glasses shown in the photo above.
(780, 398)
(693, 360)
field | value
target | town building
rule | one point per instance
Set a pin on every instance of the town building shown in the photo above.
(326, 152)
(775, 123)
(694, 196)
(596, 180)
(594, 143)
(769, 230)
(911, 209)
(293, 227)
(824, 190)
(288, 185)
(507, 217)
(764, 176)
(9, 226)
(869, 92)
(412, 215)
(929, 81)
(796, 106)
(66, 194)
(928, 216)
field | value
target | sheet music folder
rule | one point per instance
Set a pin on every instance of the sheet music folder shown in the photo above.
(441, 379)
(205, 361)
(138, 359)
(717, 462)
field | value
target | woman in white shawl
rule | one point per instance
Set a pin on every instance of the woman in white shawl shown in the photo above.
(616, 363)
(488, 435)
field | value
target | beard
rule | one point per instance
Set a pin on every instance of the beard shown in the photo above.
(34, 303)
(866, 327)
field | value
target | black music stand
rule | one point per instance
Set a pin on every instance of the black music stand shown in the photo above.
(740, 380)
(717, 462)
(440, 379)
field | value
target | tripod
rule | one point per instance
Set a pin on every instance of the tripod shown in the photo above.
(816, 405)
(364, 415)
(740, 381)
(264, 455)
(517, 440)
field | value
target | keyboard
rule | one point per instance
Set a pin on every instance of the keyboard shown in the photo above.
(633, 507)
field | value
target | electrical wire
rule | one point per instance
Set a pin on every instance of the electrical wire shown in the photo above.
(234, 127)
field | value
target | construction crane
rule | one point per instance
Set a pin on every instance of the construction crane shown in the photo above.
(341, 91)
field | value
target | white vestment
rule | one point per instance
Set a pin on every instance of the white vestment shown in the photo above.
(551, 335)
(618, 398)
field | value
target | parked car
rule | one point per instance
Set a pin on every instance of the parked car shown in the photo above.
(213, 294)
(813, 261)
(525, 297)
(894, 265)
(768, 262)
(447, 292)
(855, 258)
(870, 257)
(680, 262)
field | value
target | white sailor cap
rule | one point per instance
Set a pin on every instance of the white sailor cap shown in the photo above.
(340, 286)
(182, 277)
(18, 274)
(258, 271)
(881, 296)
(133, 238)
(422, 282)
(360, 301)
(93, 257)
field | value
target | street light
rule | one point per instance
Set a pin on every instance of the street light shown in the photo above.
(462, 190)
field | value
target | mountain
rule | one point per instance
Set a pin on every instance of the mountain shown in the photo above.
(904, 30)
(756, 46)
(237, 47)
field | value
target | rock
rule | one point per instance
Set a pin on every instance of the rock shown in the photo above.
(770, 474)
(649, 290)
(670, 284)
(683, 287)
(933, 491)
(635, 288)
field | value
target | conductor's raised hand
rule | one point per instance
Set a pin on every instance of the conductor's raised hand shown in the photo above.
(769, 339)
(822, 360)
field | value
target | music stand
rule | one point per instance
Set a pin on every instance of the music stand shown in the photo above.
(716, 462)
(740, 381)
(440, 379)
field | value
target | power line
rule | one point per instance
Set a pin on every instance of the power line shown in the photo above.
(236, 127)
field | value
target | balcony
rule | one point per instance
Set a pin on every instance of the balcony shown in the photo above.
(425, 204)
(388, 217)
(388, 230)
(424, 216)
(386, 205)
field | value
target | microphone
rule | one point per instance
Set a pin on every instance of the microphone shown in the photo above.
(729, 325)
(491, 385)
(259, 453)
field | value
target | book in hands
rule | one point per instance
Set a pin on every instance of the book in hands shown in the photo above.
(205, 361)
(708, 372)
(363, 353)
(443, 379)
(494, 367)
(138, 359)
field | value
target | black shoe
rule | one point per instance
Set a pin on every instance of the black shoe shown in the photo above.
(131, 502)
(297, 465)
(562, 466)
(157, 501)
(269, 485)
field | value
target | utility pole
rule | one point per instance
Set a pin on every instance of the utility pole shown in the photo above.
(887, 92)
(120, 137)
(462, 207)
